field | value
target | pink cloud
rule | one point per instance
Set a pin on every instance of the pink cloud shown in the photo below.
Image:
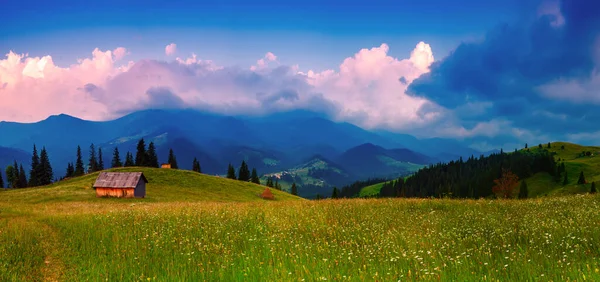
(171, 49)
(367, 89)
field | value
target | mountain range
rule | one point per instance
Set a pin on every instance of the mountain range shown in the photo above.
(271, 144)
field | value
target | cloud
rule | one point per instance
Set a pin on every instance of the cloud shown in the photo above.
(171, 49)
(537, 75)
(366, 89)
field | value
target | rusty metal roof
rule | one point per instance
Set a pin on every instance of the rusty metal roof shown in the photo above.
(119, 179)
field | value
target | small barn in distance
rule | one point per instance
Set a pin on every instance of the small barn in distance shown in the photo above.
(121, 185)
(165, 166)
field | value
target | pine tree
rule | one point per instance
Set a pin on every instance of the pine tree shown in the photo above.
(151, 158)
(294, 189)
(196, 166)
(254, 178)
(1, 181)
(46, 169)
(34, 173)
(549, 146)
(270, 182)
(100, 161)
(523, 191)
(172, 159)
(231, 172)
(22, 177)
(93, 161)
(70, 170)
(593, 190)
(16, 176)
(566, 179)
(129, 160)
(140, 155)
(334, 194)
(244, 172)
(525, 145)
(581, 179)
(116, 161)
(79, 171)
(10, 176)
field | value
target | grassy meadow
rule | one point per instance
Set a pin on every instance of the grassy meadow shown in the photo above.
(187, 237)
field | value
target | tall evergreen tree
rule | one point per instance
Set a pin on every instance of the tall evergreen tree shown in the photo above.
(70, 170)
(172, 159)
(10, 176)
(254, 177)
(593, 190)
(16, 177)
(34, 173)
(277, 185)
(196, 166)
(334, 194)
(549, 146)
(1, 181)
(22, 177)
(566, 179)
(244, 172)
(525, 145)
(231, 172)
(79, 171)
(294, 189)
(523, 191)
(140, 155)
(129, 160)
(46, 169)
(100, 161)
(270, 182)
(581, 179)
(151, 158)
(93, 161)
(116, 160)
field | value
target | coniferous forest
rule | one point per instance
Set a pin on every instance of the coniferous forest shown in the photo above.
(473, 178)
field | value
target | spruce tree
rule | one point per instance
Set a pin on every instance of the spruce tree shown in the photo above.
(525, 145)
(549, 146)
(581, 179)
(140, 155)
(523, 191)
(294, 189)
(172, 159)
(116, 160)
(196, 166)
(231, 172)
(10, 176)
(93, 161)
(244, 172)
(16, 176)
(129, 160)
(100, 161)
(1, 181)
(46, 168)
(592, 191)
(34, 173)
(334, 194)
(254, 177)
(270, 182)
(566, 179)
(79, 171)
(22, 177)
(70, 170)
(151, 158)
(276, 185)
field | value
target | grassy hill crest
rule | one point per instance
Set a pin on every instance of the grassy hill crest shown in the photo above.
(165, 185)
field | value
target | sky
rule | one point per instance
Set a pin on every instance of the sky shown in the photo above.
(497, 73)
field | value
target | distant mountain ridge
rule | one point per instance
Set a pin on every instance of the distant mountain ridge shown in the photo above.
(270, 143)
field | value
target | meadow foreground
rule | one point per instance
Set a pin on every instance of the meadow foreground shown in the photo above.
(550, 239)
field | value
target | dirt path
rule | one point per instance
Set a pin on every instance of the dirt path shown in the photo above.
(53, 268)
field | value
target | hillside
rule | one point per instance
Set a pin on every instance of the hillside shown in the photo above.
(165, 185)
(576, 159)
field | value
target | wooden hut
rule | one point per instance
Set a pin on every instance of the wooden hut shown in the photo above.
(121, 185)
(165, 166)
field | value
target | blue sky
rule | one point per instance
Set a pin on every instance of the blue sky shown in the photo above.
(497, 73)
(319, 34)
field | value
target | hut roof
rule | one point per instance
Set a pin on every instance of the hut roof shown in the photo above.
(119, 179)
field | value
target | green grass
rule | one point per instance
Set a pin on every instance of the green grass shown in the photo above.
(550, 239)
(371, 191)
